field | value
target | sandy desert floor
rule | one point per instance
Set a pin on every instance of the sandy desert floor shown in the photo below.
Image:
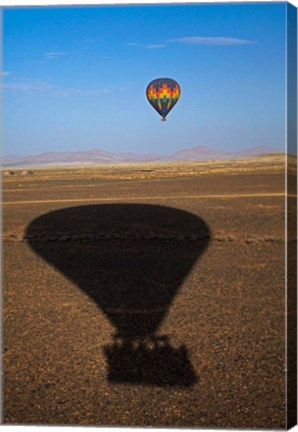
(145, 295)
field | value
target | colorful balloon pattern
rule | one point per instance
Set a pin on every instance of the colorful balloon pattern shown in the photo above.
(163, 94)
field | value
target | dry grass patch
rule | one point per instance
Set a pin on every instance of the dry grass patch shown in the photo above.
(151, 170)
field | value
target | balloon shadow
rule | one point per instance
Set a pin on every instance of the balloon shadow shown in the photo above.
(131, 260)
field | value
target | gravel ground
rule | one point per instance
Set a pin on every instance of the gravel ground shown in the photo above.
(166, 311)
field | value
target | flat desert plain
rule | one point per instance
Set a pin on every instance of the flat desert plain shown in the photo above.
(145, 295)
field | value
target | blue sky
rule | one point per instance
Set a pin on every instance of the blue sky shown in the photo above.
(74, 78)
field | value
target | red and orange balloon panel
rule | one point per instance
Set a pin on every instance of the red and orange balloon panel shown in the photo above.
(163, 94)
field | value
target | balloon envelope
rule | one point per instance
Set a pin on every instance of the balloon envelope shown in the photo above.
(163, 94)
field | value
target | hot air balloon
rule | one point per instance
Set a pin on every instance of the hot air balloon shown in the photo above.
(163, 94)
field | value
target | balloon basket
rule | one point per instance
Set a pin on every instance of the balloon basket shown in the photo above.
(163, 119)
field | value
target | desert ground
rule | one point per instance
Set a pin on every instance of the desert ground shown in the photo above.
(145, 295)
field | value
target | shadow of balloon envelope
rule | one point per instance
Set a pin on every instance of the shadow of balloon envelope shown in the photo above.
(130, 259)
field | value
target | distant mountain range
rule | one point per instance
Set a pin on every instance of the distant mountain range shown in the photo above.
(103, 156)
